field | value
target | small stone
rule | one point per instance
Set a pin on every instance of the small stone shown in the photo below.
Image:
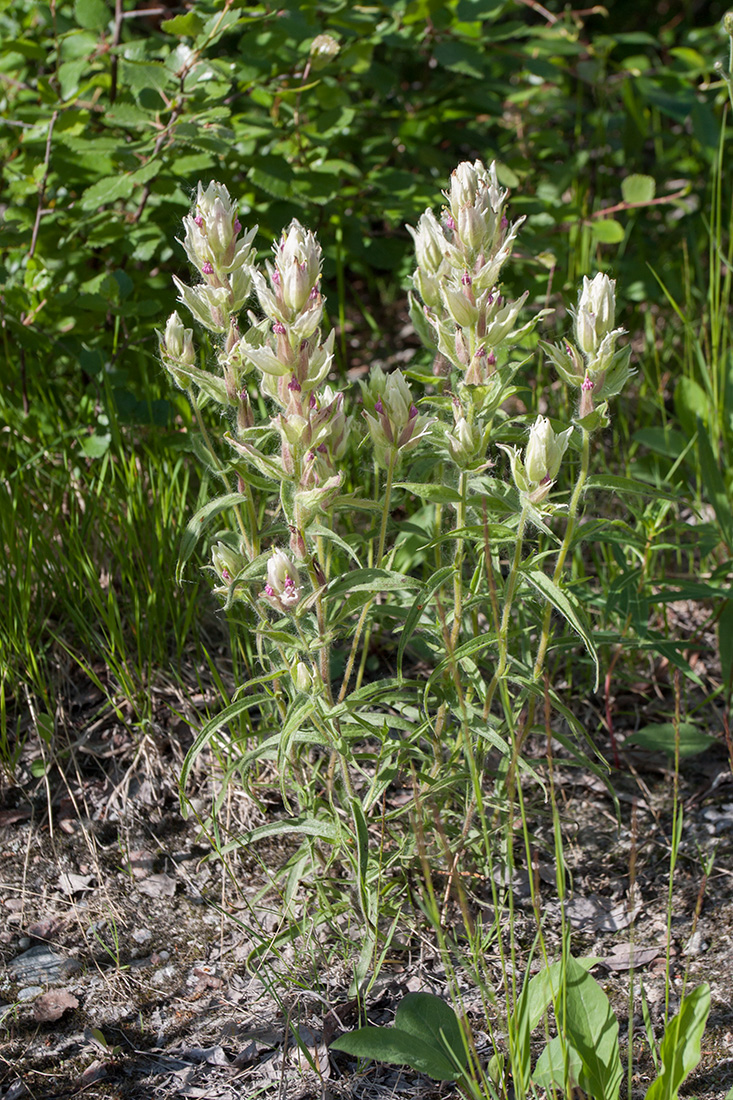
(696, 944)
(165, 975)
(30, 992)
(164, 956)
(24, 943)
(42, 964)
(142, 935)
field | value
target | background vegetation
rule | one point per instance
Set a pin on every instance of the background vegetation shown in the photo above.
(609, 126)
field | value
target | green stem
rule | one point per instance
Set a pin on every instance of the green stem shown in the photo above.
(220, 470)
(511, 588)
(380, 554)
(564, 550)
(458, 561)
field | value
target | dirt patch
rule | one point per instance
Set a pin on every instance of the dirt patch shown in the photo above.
(134, 965)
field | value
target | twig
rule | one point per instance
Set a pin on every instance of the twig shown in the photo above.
(42, 188)
(637, 205)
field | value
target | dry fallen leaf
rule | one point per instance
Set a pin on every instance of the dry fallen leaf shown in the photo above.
(158, 886)
(624, 956)
(596, 914)
(52, 1005)
(72, 884)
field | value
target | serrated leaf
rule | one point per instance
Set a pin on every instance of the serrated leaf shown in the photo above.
(185, 26)
(680, 1049)
(139, 75)
(107, 190)
(638, 188)
(570, 610)
(273, 175)
(608, 231)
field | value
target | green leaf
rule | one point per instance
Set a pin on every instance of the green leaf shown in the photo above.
(198, 523)
(570, 610)
(608, 231)
(142, 75)
(638, 188)
(725, 644)
(185, 26)
(615, 484)
(397, 1048)
(549, 1072)
(715, 489)
(107, 190)
(370, 580)
(680, 1049)
(413, 615)
(591, 1028)
(660, 737)
(690, 402)
(92, 14)
(428, 1017)
(436, 494)
(212, 727)
(663, 441)
(426, 1036)
(300, 826)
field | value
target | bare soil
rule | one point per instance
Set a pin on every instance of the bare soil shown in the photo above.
(134, 965)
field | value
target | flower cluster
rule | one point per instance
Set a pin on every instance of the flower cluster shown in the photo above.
(535, 475)
(222, 259)
(394, 423)
(593, 364)
(293, 363)
(459, 262)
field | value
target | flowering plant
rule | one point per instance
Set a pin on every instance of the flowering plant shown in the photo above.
(349, 571)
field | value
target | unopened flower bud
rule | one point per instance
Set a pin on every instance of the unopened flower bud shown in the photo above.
(596, 312)
(176, 349)
(544, 451)
(302, 676)
(324, 48)
(227, 562)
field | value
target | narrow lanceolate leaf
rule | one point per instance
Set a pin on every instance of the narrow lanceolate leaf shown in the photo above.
(725, 644)
(680, 1049)
(616, 484)
(569, 608)
(198, 523)
(413, 616)
(436, 494)
(370, 580)
(715, 489)
(210, 729)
